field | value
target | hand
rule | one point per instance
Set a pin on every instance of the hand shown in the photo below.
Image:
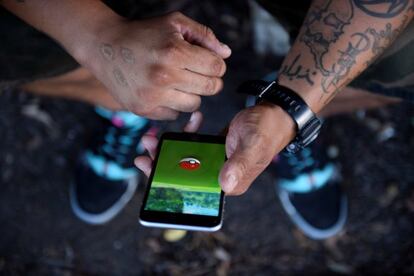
(150, 143)
(255, 136)
(158, 67)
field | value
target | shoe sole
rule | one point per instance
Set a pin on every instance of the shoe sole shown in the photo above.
(309, 230)
(109, 214)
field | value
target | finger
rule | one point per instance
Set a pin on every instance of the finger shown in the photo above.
(150, 143)
(144, 163)
(163, 113)
(195, 83)
(202, 61)
(196, 33)
(244, 165)
(194, 122)
(181, 101)
(184, 79)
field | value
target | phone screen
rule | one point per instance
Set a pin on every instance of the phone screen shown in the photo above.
(184, 190)
(185, 179)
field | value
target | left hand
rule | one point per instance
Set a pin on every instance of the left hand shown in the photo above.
(255, 136)
(150, 143)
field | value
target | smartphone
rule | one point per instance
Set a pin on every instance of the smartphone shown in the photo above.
(183, 190)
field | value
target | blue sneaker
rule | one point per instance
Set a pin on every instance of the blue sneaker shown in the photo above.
(106, 178)
(309, 189)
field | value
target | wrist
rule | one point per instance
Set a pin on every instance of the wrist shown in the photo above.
(284, 125)
(309, 96)
(300, 124)
(307, 125)
(82, 38)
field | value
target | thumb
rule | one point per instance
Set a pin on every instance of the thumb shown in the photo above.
(196, 33)
(243, 166)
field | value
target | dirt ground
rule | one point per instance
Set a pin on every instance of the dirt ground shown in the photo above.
(41, 139)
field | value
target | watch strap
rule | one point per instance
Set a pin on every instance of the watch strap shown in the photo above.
(289, 101)
(307, 124)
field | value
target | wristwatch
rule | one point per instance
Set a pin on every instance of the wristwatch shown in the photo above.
(307, 124)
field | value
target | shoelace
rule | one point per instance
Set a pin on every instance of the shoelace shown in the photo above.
(121, 144)
(304, 171)
(301, 161)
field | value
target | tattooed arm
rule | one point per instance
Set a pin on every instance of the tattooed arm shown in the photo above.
(338, 40)
(154, 68)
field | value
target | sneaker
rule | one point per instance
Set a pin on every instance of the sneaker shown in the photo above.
(309, 189)
(106, 178)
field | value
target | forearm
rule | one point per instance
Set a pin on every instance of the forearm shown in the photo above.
(76, 24)
(338, 40)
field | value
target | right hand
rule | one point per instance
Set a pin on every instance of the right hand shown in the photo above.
(158, 67)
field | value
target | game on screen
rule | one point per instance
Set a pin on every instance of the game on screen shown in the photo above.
(186, 178)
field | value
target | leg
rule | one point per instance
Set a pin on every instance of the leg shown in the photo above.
(351, 99)
(105, 177)
(78, 85)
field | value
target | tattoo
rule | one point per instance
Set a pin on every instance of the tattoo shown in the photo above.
(295, 71)
(382, 8)
(127, 55)
(378, 44)
(359, 42)
(323, 27)
(119, 77)
(371, 39)
(384, 38)
(107, 51)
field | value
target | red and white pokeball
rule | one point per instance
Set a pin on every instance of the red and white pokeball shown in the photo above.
(189, 164)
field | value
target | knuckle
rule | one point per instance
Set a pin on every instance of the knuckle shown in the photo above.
(218, 85)
(160, 76)
(244, 167)
(173, 17)
(170, 52)
(206, 31)
(210, 86)
(218, 67)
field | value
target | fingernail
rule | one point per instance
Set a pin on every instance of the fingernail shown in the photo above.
(225, 46)
(192, 118)
(230, 183)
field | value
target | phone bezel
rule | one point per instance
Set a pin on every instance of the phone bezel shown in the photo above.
(177, 220)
